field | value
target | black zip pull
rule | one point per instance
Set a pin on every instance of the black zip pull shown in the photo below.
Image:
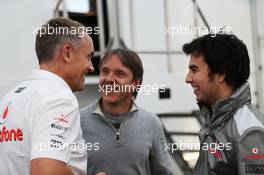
(118, 135)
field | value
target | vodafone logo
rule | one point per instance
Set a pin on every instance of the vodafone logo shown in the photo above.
(6, 134)
(256, 154)
(61, 118)
(4, 113)
(254, 150)
(10, 135)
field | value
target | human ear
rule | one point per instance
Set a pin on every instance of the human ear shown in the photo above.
(67, 52)
(221, 78)
(135, 82)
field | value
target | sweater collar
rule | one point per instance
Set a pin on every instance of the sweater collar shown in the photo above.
(98, 110)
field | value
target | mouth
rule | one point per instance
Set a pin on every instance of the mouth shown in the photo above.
(195, 90)
(111, 88)
(106, 88)
(83, 78)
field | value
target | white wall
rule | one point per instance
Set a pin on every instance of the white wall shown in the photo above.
(18, 17)
(147, 26)
(235, 14)
(260, 46)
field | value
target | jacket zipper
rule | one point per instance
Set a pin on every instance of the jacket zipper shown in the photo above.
(118, 135)
(117, 131)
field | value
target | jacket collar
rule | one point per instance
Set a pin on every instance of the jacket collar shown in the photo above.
(224, 108)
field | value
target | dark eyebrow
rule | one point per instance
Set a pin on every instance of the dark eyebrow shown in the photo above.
(192, 66)
(120, 70)
(92, 54)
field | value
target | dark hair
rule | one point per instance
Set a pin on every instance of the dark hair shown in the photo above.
(224, 54)
(129, 59)
(55, 32)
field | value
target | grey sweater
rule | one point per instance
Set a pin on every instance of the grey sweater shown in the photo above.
(137, 148)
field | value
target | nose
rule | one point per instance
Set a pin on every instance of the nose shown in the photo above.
(188, 78)
(91, 67)
(109, 78)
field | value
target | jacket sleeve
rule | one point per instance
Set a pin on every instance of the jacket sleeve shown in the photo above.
(251, 152)
(159, 158)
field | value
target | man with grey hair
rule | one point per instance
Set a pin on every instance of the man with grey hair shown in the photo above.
(39, 121)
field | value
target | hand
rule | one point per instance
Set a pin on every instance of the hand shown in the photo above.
(46, 166)
(101, 173)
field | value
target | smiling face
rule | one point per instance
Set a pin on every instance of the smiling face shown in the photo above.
(116, 80)
(81, 64)
(205, 87)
